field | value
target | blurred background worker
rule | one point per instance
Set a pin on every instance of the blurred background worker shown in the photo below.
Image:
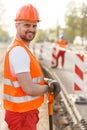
(62, 43)
(24, 83)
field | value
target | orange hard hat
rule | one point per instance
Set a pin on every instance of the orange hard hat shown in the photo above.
(27, 12)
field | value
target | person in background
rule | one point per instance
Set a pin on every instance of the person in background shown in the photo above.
(24, 83)
(62, 43)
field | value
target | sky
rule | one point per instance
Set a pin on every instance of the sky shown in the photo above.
(51, 12)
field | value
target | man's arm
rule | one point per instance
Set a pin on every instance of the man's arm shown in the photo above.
(29, 87)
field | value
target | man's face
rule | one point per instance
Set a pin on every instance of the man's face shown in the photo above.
(26, 30)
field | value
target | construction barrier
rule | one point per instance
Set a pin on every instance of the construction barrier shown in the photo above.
(54, 57)
(58, 56)
(79, 72)
(79, 78)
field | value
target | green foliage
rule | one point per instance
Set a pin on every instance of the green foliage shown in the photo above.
(83, 20)
(76, 20)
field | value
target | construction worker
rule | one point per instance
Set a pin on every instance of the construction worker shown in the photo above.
(24, 83)
(62, 43)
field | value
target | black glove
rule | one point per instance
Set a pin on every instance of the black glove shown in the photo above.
(54, 87)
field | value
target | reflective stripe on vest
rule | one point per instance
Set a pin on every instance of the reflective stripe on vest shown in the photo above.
(19, 99)
(16, 84)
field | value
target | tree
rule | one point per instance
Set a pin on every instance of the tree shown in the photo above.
(71, 20)
(83, 20)
(76, 20)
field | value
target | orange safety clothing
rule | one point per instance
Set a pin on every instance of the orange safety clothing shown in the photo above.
(62, 43)
(27, 12)
(14, 97)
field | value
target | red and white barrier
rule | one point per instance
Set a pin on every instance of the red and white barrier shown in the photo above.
(54, 57)
(79, 79)
(79, 72)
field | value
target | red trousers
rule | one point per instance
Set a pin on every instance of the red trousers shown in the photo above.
(61, 54)
(22, 121)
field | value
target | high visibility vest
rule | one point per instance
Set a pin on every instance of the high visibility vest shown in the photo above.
(62, 43)
(14, 97)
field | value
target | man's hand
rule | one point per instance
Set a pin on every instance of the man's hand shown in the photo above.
(54, 87)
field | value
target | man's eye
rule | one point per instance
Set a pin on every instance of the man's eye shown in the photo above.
(34, 26)
(27, 25)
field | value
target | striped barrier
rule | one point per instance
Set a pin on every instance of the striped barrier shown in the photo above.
(57, 53)
(54, 57)
(79, 78)
(79, 72)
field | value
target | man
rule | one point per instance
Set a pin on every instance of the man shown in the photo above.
(24, 84)
(62, 43)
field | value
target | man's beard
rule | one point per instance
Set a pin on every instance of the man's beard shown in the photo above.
(27, 37)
